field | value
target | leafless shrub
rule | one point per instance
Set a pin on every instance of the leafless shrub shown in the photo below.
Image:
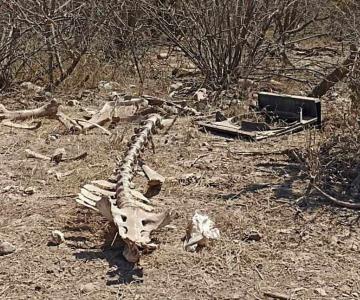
(224, 39)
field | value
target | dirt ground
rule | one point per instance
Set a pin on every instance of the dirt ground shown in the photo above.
(307, 252)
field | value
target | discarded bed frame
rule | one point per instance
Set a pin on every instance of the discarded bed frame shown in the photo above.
(299, 112)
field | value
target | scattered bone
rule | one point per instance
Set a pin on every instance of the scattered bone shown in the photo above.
(57, 238)
(6, 248)
(57, 157)
(155, 179)
(60, 175)
(108, 86)
(201, 95)
(33, 154)
(32, 126)
(70, 124)
(29, 86)
(48, 110)
(199, 232)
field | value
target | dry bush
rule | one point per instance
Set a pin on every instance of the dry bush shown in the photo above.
(224, 39)
(333, 163)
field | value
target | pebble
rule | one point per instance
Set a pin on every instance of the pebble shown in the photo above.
(6, 248)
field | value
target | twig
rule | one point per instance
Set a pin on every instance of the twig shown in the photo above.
(171, 125)
(198, 158)
(58, 196)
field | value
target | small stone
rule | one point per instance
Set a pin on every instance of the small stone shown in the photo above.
(58, 155)
(6, 248)
(88, 287)
(252, 235)
(57, 238)
(73, 103)
(7, 188)
(162, 55)
(29, 190)
(176, 86)
(321, 292)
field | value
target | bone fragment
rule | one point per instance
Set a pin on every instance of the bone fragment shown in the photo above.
(48, 110)
(155, 179)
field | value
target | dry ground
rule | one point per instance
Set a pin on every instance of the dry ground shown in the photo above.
(306, 253)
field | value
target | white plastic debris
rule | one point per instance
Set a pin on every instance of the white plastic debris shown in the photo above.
(199, 232)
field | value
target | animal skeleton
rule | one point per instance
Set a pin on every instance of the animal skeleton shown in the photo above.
(128, 209)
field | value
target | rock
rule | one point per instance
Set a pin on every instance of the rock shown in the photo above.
(252, 235)
(6, 248)
(58, 155)
(29, 190)
(29, 86)
(163, 55)
(176, 86)
(321, 292)
(88, 287)
(57, 238)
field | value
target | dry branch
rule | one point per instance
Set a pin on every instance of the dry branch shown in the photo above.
(336, 201)
(336, 75)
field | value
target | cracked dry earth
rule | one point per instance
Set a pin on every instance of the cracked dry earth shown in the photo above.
(310, 252)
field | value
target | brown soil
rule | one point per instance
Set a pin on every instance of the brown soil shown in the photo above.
(305, 253)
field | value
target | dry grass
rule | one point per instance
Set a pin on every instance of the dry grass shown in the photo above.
(300, 251)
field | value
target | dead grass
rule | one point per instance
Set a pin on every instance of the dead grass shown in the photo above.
(301, 251)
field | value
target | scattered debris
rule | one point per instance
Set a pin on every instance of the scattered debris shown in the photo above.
(300, 112)
(29, 86)
(199, 232)
(278, 296)
(57, 238)
(58, 155)
(31, 126)
(190, 178)
(163, 55)
(252, 235)
(321, 292)
(6, 248)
